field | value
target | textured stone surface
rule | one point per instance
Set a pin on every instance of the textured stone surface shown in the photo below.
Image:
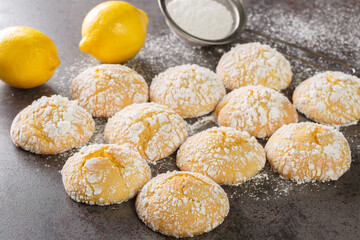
(33, 202)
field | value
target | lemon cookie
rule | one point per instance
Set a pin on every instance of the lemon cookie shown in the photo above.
(226, 155)
(105, 174)
(255, 109)
(51, 125)
(254, 64)
(106, 89)
(153, 129)
(190, 90)
(308, 151)
(330, 98)
(182, 204)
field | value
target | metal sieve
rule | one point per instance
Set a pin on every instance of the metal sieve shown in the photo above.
(238, 12)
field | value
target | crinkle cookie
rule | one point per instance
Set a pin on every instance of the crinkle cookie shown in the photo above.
(182, 204)
(256, 109)
(226, 155)
(106, 89)
(52, 125)
(154, 130)
(190, 90)
(105, 174)
(306, 151)
(330, 97)
(254, 64)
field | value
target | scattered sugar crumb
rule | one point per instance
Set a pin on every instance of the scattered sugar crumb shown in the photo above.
(166, 50)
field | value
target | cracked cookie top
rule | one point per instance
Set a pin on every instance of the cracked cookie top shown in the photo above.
(330, 98)
(182, 204)
(256, 109)
(51, 125)
(104, 174)
(254, 64)
(306, 151)
(226, 155)
(154, 130)
(190, 90)
(106, 89)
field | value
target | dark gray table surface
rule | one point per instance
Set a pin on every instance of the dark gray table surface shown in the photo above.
(313, 35)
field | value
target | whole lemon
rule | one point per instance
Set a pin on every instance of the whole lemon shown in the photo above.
(114, 31)
(28, 58)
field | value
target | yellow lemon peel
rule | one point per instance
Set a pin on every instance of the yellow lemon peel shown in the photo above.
(28, 58)
(114, 31)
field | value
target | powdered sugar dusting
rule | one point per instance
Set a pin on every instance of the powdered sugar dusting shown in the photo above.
(254, 187)
(311, 24)
(256, 109)
(52, 125)
(254, 64)
(330, 98)
(104, 174)
(206, 19)
(189, 90)
(154, 130)
(106, 89)
(201, 123)
(307, 151)
(165, 50)
(226, 155)
(98, 136)
(188, 203)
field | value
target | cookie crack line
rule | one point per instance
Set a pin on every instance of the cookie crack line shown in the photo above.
(102, 153)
